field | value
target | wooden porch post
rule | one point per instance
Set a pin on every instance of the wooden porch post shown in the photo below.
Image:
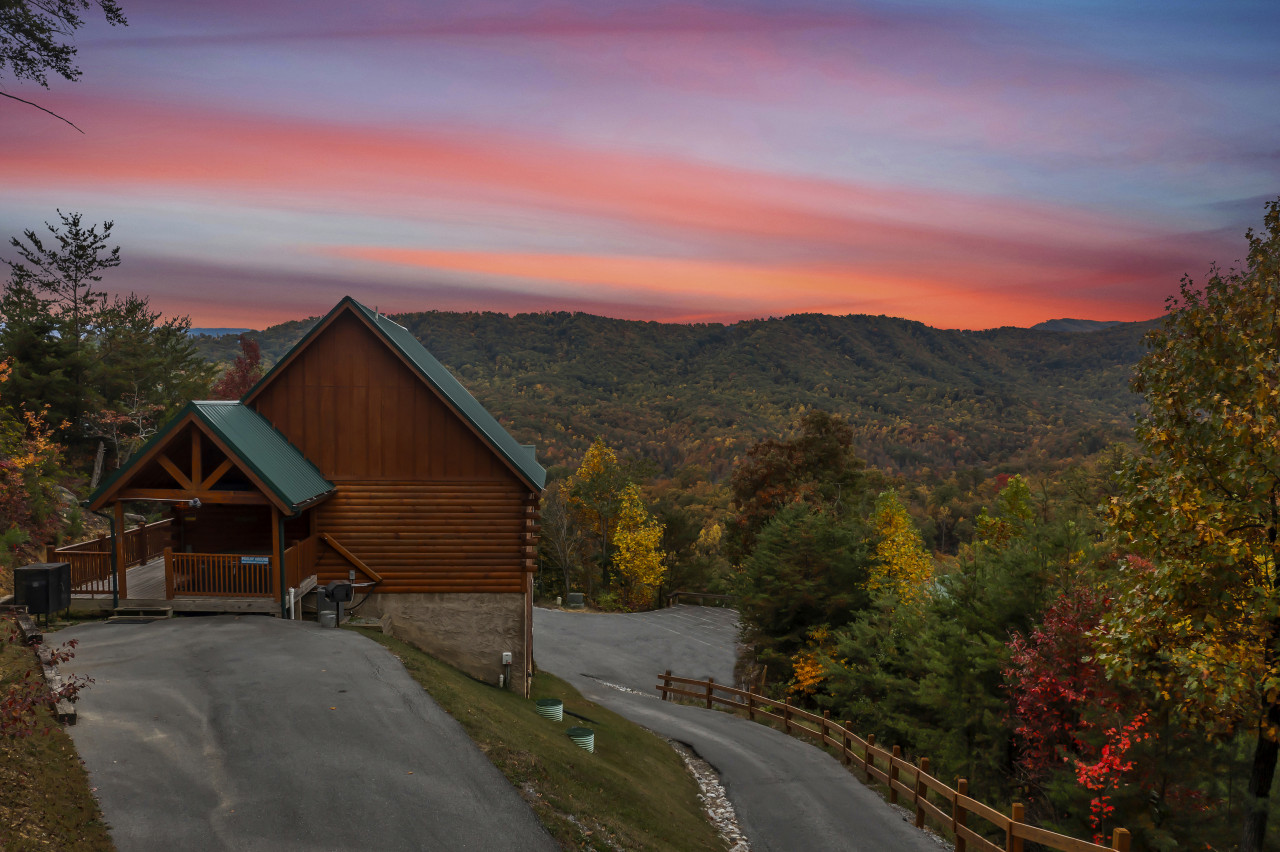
(117, 543)
(277, 555)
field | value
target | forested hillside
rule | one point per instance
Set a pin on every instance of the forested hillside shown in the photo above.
(921, 400)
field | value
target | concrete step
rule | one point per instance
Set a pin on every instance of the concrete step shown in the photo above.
(139, 614)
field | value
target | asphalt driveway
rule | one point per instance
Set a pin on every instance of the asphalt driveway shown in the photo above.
(253, 733)
(788, 794)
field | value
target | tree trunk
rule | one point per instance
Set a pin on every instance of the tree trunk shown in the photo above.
(97, 466)
(1264, 770)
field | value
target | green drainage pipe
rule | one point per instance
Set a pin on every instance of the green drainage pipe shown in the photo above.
(550, 708)
(583, 738)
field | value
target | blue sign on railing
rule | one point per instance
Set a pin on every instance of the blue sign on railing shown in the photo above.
(255, 560)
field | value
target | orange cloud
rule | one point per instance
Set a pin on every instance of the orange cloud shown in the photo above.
(759, 290)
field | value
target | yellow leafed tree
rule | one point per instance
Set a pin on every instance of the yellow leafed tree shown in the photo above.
(638, 557)
(595, 492)
(903, 566)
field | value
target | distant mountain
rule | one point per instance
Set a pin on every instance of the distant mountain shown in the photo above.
(216, 332)
(1074, 325)
(921, 399)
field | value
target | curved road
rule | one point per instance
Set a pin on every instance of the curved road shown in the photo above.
(789, 795)
(253, 733)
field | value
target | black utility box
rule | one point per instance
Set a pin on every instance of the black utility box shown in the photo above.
(339, 591)
(44, 587)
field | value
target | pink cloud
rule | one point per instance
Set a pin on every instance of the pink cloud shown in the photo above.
(960, 259)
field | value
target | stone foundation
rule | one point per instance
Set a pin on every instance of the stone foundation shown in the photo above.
(468, 630)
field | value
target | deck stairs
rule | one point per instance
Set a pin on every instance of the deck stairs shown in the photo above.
(139, 614)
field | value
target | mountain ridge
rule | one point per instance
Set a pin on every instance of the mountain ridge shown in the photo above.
(922, 400)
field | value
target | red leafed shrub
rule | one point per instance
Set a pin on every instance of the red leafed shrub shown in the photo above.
(1055, 688)
(23, 696)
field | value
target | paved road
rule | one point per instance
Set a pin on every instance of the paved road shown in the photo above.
(253, 733)
(789, 795)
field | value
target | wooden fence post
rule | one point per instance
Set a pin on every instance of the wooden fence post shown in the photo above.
(846, 741)
(786, 714)
(922, 791)
(893, 774)
(1120, 840)
(751, 706)
(51, 553)
(958, 814)
(826, 720)
(710, 685)
(1011, 843)
(866, 756)
(666, 684)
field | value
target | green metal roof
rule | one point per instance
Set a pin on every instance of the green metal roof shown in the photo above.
(279, 464)
(254, 443)
(520, 455)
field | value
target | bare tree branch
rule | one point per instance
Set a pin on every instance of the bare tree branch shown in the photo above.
(37, 106)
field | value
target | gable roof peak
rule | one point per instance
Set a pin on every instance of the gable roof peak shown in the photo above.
(400, 340)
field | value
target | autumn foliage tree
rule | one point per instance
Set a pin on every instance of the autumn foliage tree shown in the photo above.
(30, 459)
(816, 465)
(243, 374)
(902, 566)
(638, 557)
(595, 490)
(1201, 502)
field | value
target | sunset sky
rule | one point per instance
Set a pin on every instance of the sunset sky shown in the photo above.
(963, 164)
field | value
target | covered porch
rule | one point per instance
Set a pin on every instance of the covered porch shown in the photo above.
(190, 582)
(239, 534)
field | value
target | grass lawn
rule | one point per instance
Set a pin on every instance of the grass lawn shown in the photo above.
(45, 801)
(633, 793)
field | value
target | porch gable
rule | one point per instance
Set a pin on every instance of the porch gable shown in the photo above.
(217, 452)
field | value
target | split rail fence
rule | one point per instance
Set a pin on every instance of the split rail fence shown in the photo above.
(909, 784)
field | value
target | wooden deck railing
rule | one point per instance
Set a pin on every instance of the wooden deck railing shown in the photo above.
(90, 572)
(91, 560)
(223, 575)
(909, 784)
(300, 561)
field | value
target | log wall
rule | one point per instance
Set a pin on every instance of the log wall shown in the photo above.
(430, 536)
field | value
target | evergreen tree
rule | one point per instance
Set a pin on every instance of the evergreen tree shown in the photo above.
(809, 570)
(38, 351)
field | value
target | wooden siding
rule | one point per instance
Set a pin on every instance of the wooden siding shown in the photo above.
(358, 412)
(432, 537)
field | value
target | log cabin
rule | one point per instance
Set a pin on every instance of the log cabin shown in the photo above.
(357, 453)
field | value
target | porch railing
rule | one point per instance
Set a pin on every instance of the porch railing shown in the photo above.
(300, 562)
(91, 560)
(224, 575)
